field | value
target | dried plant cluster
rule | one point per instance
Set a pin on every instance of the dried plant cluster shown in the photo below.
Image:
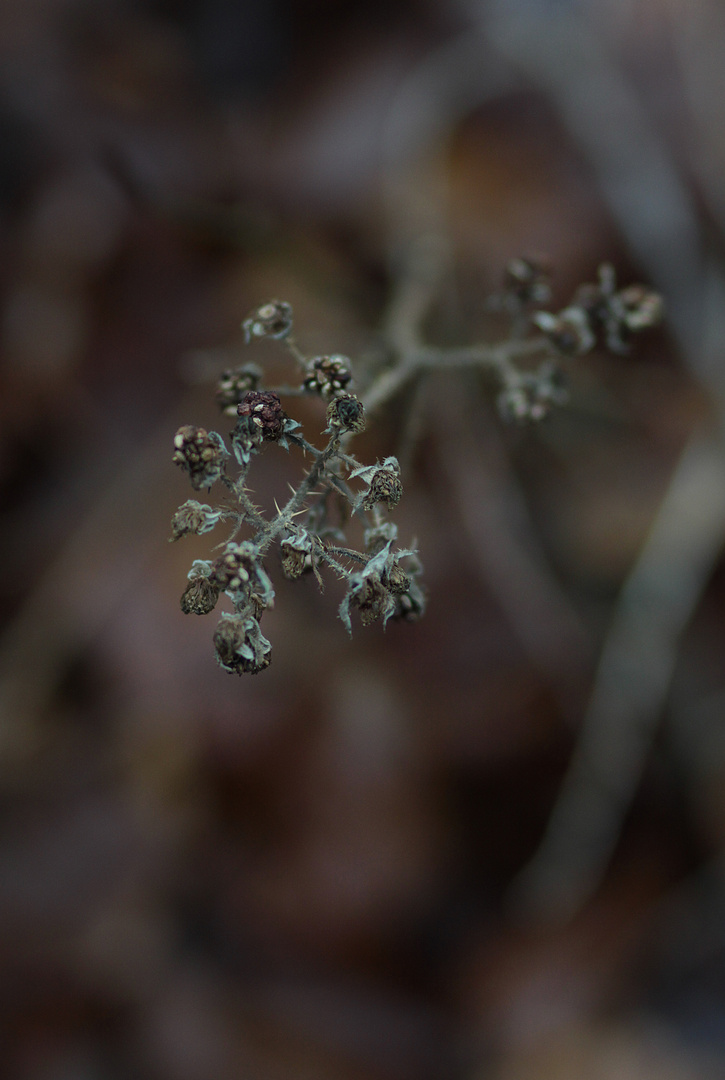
(381, 580)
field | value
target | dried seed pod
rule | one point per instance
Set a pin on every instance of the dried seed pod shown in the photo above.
(239, 573)
(328, 375)
(201, 594)
(371, 598)
(193, 517)
(533, 395)
(272, 319)
(234, 384)
(345, 413)
(527, 279)
(641, 308)
(296, 555)
(201, 453)
(385, 485)
(240, 646)
(570, 331)
(618, 315)
(396, 579)
(262, 410)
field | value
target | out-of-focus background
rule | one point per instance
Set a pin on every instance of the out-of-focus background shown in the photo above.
(484, 845)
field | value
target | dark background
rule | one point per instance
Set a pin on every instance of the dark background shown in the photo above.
(312, 873)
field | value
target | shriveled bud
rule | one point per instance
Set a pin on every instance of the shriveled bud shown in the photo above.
(193, 517)
(345, 413)
(201, 453)
(296, 551)
(234, 384)
(201, 594)
(385, 485)
(273, 320)
(328, 375)
(371, 598)
(240, 646)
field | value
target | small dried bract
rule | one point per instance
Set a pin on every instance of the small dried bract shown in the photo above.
(201, 453)
(272, 320)
(240, 646)
(328, 375)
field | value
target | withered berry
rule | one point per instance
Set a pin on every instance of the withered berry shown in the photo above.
(263, 409)
(201, 453)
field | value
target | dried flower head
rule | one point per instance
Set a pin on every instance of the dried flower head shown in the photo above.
(201, 453)
(619, 314)
(240, 646)
(234, 384)
(378, 536)
(262, 409)
(533, 394)
(239, 573)
(396, 579)
(201, 594)
(345, 413)
(328, 375)
(296, 552)
(385, 485)
(569, 332)
(641, 308)
(272, 319)
(193, 517)
(371, 598)
(527, 279)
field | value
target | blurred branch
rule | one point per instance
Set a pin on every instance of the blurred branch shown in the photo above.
(630, 688)
(67, 606)
(495, 520)
(561, 53)
(641, 185)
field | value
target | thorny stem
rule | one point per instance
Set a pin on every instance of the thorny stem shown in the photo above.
(273, 528)
(348, 553)
(250, 511)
